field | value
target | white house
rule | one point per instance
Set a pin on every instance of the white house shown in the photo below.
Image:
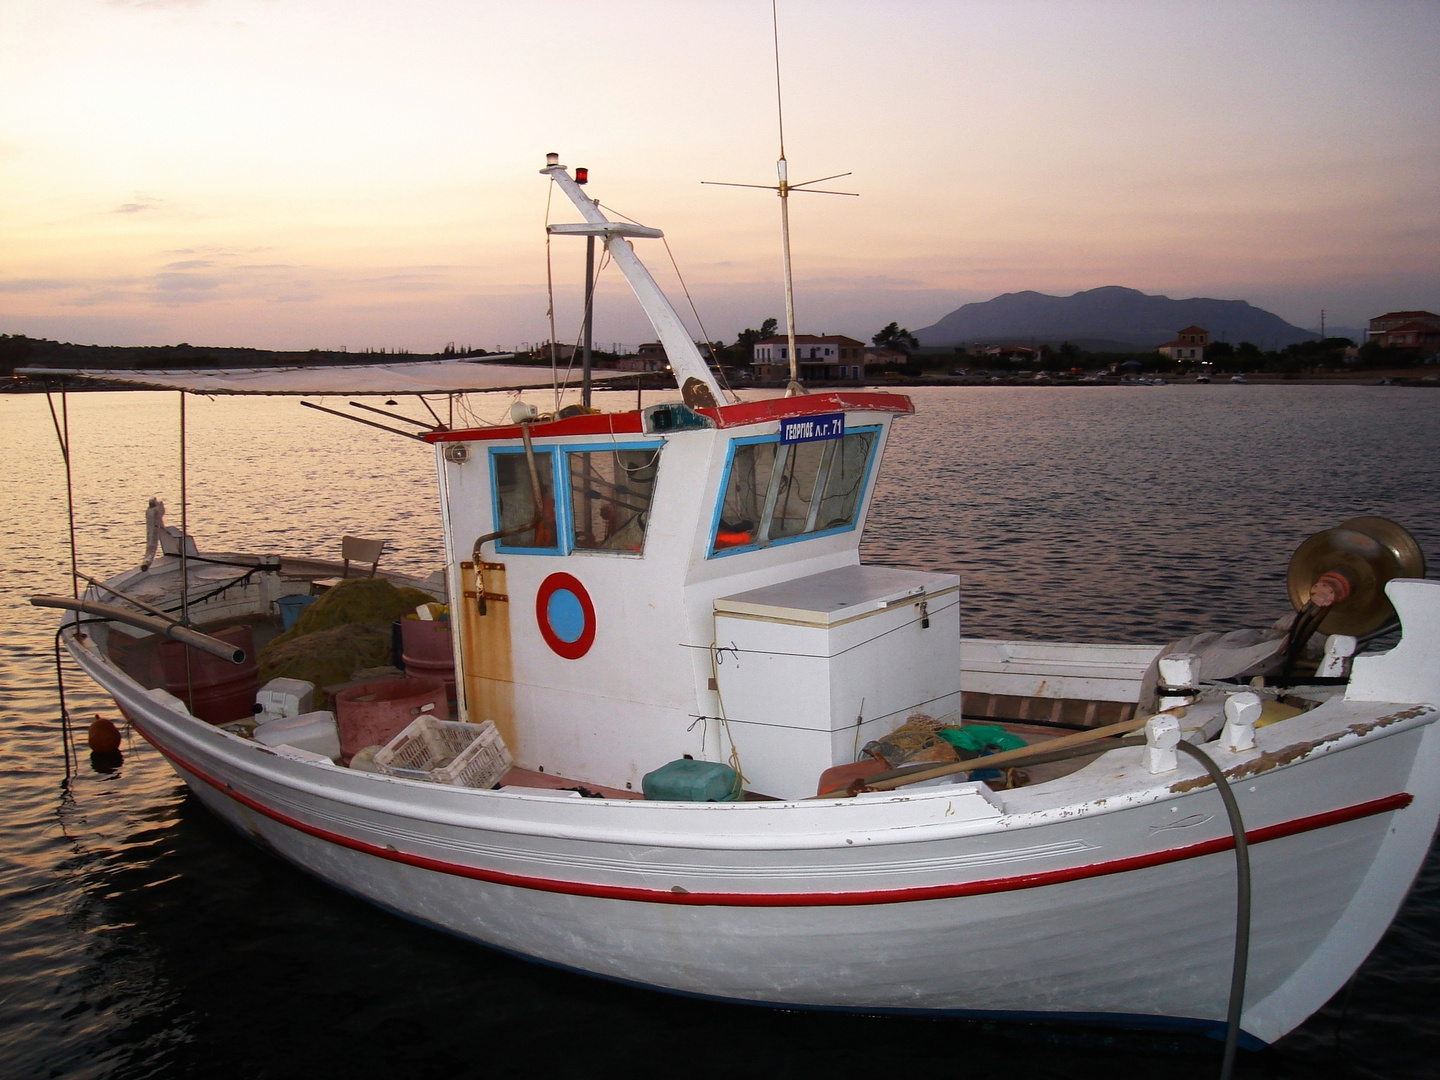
(820, 356)
(1189, 344)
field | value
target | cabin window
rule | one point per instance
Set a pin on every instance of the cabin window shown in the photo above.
(610, 495)
(776, 493)
(515, 501)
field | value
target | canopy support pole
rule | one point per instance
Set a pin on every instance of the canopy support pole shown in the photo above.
(359, 420)
(62, 435)
(184, 527)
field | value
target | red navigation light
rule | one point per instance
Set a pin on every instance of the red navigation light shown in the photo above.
(582, 176)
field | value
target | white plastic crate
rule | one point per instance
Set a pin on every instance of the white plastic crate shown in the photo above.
(446, 752)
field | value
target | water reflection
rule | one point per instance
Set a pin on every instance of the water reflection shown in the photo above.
(138, 937)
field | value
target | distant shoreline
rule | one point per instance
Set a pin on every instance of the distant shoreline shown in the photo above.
(1422, 377)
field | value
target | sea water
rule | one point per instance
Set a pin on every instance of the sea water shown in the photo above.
(140, 938)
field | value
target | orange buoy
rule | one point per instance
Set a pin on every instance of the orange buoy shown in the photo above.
(103, 736)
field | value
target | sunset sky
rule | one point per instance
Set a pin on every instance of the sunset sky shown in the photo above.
(327, 173)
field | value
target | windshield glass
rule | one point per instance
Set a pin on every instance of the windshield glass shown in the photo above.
(776, 492)
(610, 496)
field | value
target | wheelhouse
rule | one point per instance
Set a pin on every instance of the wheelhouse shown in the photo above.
(611, 571)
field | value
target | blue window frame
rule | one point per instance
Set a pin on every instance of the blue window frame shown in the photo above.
(776, 493)
(611, 486)
(607, 491)
(514, 500)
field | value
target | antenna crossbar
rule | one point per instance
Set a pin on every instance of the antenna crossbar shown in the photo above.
(783, 189)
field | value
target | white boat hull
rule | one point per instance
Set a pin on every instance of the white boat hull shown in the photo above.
(940, 900)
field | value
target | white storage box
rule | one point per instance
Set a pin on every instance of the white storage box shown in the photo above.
(283, 697)
(313, 731)
(825, 663)
(446, 752)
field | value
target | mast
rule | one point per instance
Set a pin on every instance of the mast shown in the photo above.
(586, 356)
(685, 358)
(783, 189)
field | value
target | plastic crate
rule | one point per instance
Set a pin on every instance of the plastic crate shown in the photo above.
(446, 752)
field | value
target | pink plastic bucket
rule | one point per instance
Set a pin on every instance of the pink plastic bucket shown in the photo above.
(426, 651)
(374, 713)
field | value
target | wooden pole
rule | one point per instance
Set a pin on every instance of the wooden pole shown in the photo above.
(1006, 759)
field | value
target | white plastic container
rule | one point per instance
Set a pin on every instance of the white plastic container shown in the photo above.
(283, 697)
(313, 731)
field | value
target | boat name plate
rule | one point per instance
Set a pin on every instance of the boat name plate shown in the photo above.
(811, 428)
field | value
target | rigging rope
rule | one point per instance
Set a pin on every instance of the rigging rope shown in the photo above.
(704, 334)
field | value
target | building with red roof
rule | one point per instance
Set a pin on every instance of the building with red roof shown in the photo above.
(1407, 330)
(1189, 344)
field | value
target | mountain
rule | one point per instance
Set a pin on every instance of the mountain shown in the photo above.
(1109, 317)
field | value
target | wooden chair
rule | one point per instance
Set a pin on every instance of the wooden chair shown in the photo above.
(353, 548)
(363, 553)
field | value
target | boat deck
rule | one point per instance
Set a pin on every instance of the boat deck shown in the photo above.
(139, 658)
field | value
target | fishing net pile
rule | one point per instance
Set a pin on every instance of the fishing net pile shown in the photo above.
(922, 739)
(345, 631)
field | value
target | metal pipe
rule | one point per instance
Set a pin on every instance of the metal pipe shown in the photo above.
(794, 387)
(62, 435)
(183, 634)
(396, 416)
(184, 526)
(358, 420)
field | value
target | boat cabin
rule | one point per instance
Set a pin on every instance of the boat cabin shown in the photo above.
(637, 587)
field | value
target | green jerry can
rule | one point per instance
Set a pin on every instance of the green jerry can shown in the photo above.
(688, 780)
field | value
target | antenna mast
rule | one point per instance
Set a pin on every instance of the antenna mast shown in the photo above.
(783, 189)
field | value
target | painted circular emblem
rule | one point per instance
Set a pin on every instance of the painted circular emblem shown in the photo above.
(566, 616)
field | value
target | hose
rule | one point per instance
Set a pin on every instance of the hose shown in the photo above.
(1242, 906)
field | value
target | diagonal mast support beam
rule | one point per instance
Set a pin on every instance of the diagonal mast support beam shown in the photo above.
(685, 358)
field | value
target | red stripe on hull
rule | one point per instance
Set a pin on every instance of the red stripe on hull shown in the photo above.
(843, 899)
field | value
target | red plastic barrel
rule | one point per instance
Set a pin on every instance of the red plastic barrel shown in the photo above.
(426, 652)
(841, 776)
(374, 713)
(213, 689)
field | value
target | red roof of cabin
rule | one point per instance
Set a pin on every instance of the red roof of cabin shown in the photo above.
(726, 416)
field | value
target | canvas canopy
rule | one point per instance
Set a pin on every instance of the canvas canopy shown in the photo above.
(418, 377)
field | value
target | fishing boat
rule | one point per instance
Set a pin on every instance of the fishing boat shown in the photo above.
(1207, 835)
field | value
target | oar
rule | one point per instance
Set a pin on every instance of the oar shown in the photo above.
(1005, 759)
